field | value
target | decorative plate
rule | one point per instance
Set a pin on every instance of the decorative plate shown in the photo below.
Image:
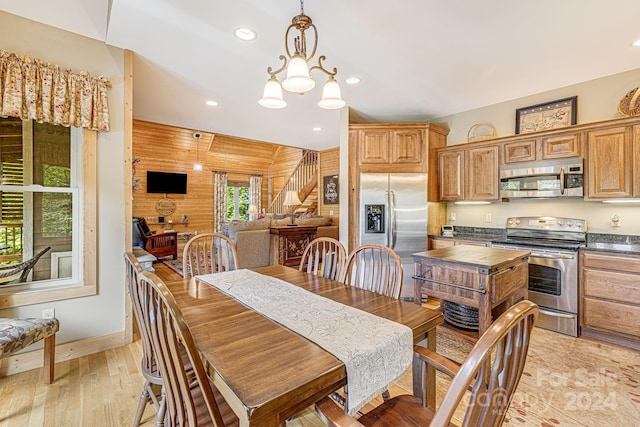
(630, 103)
(481, 131)
(165, 206)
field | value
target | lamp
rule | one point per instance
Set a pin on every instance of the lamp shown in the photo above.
(291, 199)
(298, 72)
(253, 209)
(197, 166)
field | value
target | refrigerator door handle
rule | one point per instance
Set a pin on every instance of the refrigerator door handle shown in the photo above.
(394, 226)
(387, 216)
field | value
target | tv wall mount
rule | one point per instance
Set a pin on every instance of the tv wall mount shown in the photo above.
(165, 206)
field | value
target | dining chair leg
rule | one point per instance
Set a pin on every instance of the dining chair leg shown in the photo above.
(162, 409)
(144, 399)
(385, 395)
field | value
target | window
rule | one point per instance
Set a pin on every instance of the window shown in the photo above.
(237, 201)
(43, 185)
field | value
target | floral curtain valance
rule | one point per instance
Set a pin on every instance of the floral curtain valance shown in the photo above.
(31, 89)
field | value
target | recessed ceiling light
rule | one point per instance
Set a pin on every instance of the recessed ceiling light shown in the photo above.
(636, 43)
(212, 103)
(317, 128)
(352, 80)
(245, 33)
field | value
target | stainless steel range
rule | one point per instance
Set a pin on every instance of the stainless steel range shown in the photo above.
(553, 266)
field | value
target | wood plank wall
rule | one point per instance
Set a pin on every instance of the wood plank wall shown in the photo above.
(329, 165)
(171, 149)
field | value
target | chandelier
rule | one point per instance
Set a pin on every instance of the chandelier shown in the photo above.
(298, 78)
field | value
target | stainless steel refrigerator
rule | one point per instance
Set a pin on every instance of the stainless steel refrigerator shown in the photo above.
(393, 213)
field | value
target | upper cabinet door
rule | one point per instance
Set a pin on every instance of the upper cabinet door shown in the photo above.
(560, 146)
(482, 173)
(407, 146)
(520, 151)
(610, 162)
(450, 175)
(373, 147)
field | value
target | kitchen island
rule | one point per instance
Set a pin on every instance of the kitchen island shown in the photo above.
(483, 278)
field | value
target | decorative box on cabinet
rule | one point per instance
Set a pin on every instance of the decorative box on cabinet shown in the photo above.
(610, 298)
(288, 244)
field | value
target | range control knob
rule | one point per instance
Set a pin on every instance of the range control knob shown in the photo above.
(579, 224)
(569, 224)
(517, 222)
(509, 222)
(560, 222)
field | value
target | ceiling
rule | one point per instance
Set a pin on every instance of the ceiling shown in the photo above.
(418, 59)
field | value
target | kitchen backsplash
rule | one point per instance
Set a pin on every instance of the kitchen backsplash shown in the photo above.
(598, 215)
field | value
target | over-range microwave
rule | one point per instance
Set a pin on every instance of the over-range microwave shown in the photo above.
(542, 179)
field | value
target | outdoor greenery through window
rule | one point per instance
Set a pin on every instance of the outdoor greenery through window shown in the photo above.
(237, 201)
(39, 201)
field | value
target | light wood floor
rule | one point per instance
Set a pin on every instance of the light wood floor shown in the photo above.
(98, 390)
(102, 389)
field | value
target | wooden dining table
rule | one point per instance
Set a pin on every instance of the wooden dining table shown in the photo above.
(268, 373)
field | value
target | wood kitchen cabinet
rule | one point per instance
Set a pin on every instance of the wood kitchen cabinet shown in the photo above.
(610, 297)
(610, 162)
(469, 174)
(527, 149)
(451, 175)
(394, 148)
(435, 243)
(391, 145)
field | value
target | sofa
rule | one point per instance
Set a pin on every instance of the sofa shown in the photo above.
(253, 238)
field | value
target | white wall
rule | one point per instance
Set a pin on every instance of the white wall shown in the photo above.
(597, 101)
(103, 313)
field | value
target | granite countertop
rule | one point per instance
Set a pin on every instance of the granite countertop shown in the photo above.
(617, 243)
(474, 233)
(596, 242)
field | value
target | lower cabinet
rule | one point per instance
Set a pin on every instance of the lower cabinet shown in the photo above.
(610, 297)
(435, 243)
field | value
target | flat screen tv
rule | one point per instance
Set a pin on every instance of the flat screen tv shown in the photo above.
(166, 182)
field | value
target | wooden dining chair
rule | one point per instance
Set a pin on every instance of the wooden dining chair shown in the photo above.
(191, 401)
(208, 253)
(375, 268)
(324, 257)
(491, 372)
(148, 365)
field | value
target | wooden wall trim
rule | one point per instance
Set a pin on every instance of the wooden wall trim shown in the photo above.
(72, 350)
(128, 181)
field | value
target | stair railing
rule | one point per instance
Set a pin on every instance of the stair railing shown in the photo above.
(304, 172)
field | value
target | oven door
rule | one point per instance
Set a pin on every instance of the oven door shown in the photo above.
(553, 285)
(553, 280)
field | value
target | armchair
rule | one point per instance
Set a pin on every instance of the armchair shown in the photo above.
(159, 245)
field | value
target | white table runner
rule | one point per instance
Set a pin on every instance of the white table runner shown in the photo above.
(375, 351)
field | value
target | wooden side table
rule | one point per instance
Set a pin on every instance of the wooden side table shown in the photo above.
(288, 244)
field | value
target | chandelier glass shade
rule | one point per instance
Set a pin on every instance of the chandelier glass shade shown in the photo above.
(298, 77)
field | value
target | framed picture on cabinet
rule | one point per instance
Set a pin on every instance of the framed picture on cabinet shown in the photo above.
(330, 189)
(550, 115)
